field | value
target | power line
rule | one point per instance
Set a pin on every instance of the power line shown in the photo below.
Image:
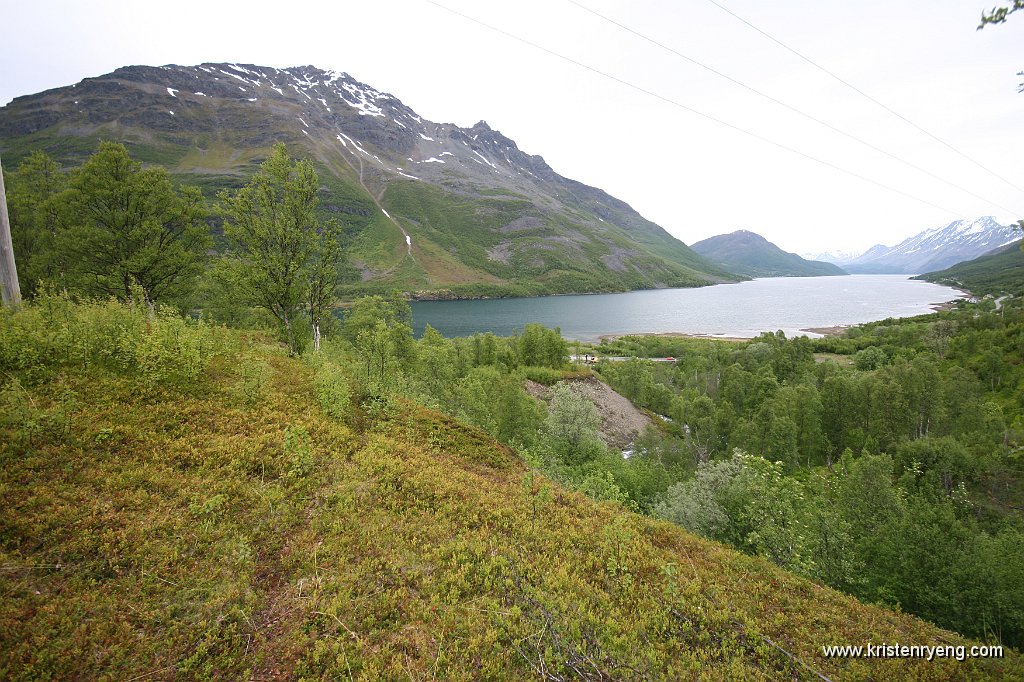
(680, 105)
(866, 95)
(789, 107)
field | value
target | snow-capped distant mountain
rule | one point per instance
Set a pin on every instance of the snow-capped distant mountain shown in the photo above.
(936, 248)
(835, 257)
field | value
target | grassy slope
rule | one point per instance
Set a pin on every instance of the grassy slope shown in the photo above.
(162, 533)
(997, 273)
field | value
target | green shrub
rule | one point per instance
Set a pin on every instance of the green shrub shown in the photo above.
(542, 375)
(332, 386)
(297, 449)
(132, 339)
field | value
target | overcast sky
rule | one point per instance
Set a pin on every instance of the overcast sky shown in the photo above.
(695, 177)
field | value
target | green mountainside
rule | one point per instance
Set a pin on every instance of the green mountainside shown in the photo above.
(184, 501)
(996, 273)
(752, 255)
(433, 209)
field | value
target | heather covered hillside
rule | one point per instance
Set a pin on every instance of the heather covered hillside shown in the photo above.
(185, 501)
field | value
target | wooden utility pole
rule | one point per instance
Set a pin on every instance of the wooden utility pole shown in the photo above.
(8, 270)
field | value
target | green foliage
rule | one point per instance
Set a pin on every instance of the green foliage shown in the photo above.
(938, 466)
(999, 15)
(746, 501)
(538, 346)
(33, 423)
(870, 358)
(572, 424)
(484, 349)
(297, 449)
(857, 530)
(108, 226)
(379, 331)
(542, 375)
(383, 344)
(158, 346)
(34, 216)
(939, 394)
(367, 311)
(703, 503)
(253, 375)
(280, 256)
(332, 386)
(601, 486)
(496, 402)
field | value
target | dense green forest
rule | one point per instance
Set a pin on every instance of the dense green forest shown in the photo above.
(886, 463)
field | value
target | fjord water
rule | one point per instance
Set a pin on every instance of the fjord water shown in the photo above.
(790, 304)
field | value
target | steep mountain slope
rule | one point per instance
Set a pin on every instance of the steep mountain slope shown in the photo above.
(936, 248)
(751, 254)
(999, 272)
(225, 518)
(428, 206)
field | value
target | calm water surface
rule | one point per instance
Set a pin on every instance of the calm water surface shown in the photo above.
(745, 309)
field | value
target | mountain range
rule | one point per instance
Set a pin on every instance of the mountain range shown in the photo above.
(934, 249)
(748, 253)
(432, 208)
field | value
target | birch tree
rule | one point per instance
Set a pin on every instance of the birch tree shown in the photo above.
(280, 256)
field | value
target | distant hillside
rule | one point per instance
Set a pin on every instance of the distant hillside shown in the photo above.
(748, 253)
(1001, 272)
(430, 208)
(936, 248)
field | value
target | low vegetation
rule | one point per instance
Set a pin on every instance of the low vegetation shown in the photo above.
(185, 501)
